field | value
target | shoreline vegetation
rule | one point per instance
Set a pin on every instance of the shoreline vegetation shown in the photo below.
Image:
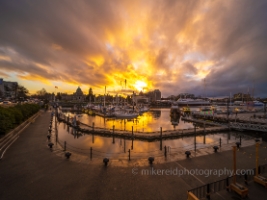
(11, 117)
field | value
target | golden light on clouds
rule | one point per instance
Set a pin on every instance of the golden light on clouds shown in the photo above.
(165, 44)
(140, 85)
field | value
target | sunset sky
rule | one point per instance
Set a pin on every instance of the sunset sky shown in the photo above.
(171, 45)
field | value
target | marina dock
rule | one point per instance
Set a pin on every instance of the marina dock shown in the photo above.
(148, 136)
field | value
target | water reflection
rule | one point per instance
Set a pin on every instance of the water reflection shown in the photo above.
(114, 147)
(147, 122)
(151, 121)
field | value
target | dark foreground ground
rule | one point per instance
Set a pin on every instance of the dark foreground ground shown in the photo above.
(29, 170)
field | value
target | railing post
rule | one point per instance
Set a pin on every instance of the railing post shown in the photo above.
(246, 178)
(91, 153)
(129, 154)
(93, 126)
(208, 191)
(124, 145)
(195, 139)
(65, 146)
(113, 134)
(227, 184)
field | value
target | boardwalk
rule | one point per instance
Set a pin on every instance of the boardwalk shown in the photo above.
(29, 170)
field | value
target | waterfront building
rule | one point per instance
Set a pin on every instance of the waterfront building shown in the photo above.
(8, 89)
(76, 96)
(140, 99)
(154, 95)
(185, 96)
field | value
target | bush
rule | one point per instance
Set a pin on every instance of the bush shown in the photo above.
(13, 116)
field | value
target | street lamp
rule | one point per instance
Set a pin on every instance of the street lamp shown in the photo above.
(195, 138)
(265, 108)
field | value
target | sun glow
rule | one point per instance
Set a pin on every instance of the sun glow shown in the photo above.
(140, 85)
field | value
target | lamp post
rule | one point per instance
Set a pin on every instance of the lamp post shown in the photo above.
(228, 101)
(195, 139)
(265, 108)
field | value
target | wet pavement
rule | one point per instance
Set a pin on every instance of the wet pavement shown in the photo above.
(29, 170)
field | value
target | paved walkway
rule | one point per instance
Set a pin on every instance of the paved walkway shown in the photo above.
(29, 170)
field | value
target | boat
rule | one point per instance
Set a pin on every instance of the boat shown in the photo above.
(205, 108)
(239, 103)
(142, 109)
(258, 103)
(192, 102)
(124, 114)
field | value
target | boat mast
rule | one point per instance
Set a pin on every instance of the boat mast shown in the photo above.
(104, 98)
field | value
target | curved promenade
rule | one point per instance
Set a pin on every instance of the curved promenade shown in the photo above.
(29, 170)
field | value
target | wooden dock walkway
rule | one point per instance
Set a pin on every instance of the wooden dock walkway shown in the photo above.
(148, 136)
(241, 122)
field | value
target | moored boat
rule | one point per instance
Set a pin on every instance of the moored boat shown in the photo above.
(192, 102)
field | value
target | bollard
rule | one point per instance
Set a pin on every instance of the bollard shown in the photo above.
(187, 153)
(151, 160)
(91, 153)
(50, 144)
(67, 154)
(208, 191)
(65, 146)
(165, 151)
(105, 161)
(215, 148)
(129, 154)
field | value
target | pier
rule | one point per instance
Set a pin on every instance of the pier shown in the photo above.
(148, 136)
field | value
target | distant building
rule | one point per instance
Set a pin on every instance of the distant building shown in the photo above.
(8, 89)
(140, 99)
(186, 96)
(154, 95)
(76, 96)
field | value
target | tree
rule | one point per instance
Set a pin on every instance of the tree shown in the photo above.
(90, 95)
(41, 92)
(22, 91)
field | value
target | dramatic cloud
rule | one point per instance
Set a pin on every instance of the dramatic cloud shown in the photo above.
(172, 45)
